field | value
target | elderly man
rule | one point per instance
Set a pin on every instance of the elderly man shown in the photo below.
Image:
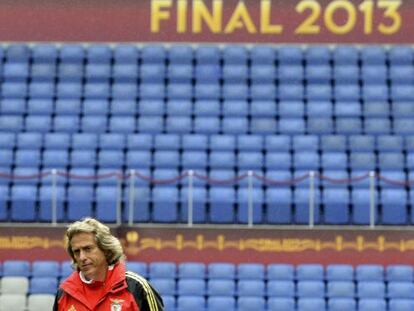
(101, 281)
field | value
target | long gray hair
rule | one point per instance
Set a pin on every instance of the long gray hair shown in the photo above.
(106, 242)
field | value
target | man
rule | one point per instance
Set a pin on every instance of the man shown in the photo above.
(101, 281)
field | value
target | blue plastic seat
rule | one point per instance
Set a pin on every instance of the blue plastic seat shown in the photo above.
(310, 272)
(278, 160)
(55, 159)
(125, 72)
(222, 200)
(164, 286)
(162, 270)
(138, 267)
(191, 287)
(249, 303)
(242, 198)
(336, 204)
(250, 288)
(309, 304)
(399, 273)
(310, 289)
(66, 124)
(124, 91)
(221, 271)
(263, 126)
(290, 54)
(281, 288)
(191, 270)
(46, 194)
(371, 289)
(23, 207)
(39, 107)
(221, 303)
(361, 206)
(372, 304)
(287, 108)
(400, 290)
(41, 90)
(140, 205)
(152, 90)
(403, 126)
(199, 197)
(106, 203)
(401, 304)
(79, 202)
(292, 126)
(338, 304)
(282, 272)
(340, 289)
(369, 272)
(11, 123)
(291, 91)
(282, 303)
(339, 272)
(43, 285)
(250, 271)
(165, 199)
(27, 158)
(279, 201)
(70, 107)
(301, 201)
(189, 303)
(16, 268)
(348, 109)
(394, 206)
(150, 125)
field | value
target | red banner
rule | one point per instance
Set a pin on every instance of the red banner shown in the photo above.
(230, 245)
(248, 21)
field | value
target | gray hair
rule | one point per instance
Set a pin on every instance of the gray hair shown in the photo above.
(106, 242)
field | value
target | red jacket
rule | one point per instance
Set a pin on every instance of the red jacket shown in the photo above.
(121, 291)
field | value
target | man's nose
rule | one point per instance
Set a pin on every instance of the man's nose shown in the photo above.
(82, 255)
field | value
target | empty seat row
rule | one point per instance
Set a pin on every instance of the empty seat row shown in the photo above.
(208, 107)
(227, 271)
(206, 125)
(188, 303)
(187, 160)
(220, 204)
(230, 54)
(207, 90)
(23, 302)
(236, 142)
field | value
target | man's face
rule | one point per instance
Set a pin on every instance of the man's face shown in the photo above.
(89, 257)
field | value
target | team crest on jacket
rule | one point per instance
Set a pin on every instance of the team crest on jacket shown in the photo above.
(72, 308)
(116, 304)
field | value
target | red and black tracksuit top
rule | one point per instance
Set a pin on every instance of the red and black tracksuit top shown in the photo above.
(121, 291)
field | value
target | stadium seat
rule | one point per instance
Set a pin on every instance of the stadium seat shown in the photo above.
(20, 268)
(40, 302)
(221, 303)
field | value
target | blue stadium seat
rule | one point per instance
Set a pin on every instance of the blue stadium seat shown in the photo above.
(401, 304)
(279, 203)
(372, 304)
(191, 287)
(162, 270)
(43, 285)
(23, 207)
(16, 268)
(13, 106)
(340, 289)
(79, 202)
(191, 270)
(95, 106)
(250, 303)
(189, 303)
(46, 193)
(301, 201)
(222, 200)
(290, 54)
(230, 108)
(275, 304)
(338, 304)
(4, 198)
(164, 286)
(369, 272)
(70, 107)
(287, 108)
(310, 272)
(138, 267)
(339, 272)
(399, 273)
(124, 92)
(310, 304)
(150, 125)
(107, 203)
(310, 289)
(263, 126)
(175, 107)
(221, 303)
(99, 53)
(250, 288)
(125, 53)
(280, 272)
(221, 271)
(292, 126)
(281, 289)
(222, 142)
(250, 271)
(394, 206)
(199, 197)
(11, 123)
(29, 141)
(66, 124)
(371, 289)
(403, 126)
(165, 199)
(140, 204)
(400, 290)
(242, 198)
(45, 268)
(336, 206)
(39, 107)
(317, 55)
(348, 109)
